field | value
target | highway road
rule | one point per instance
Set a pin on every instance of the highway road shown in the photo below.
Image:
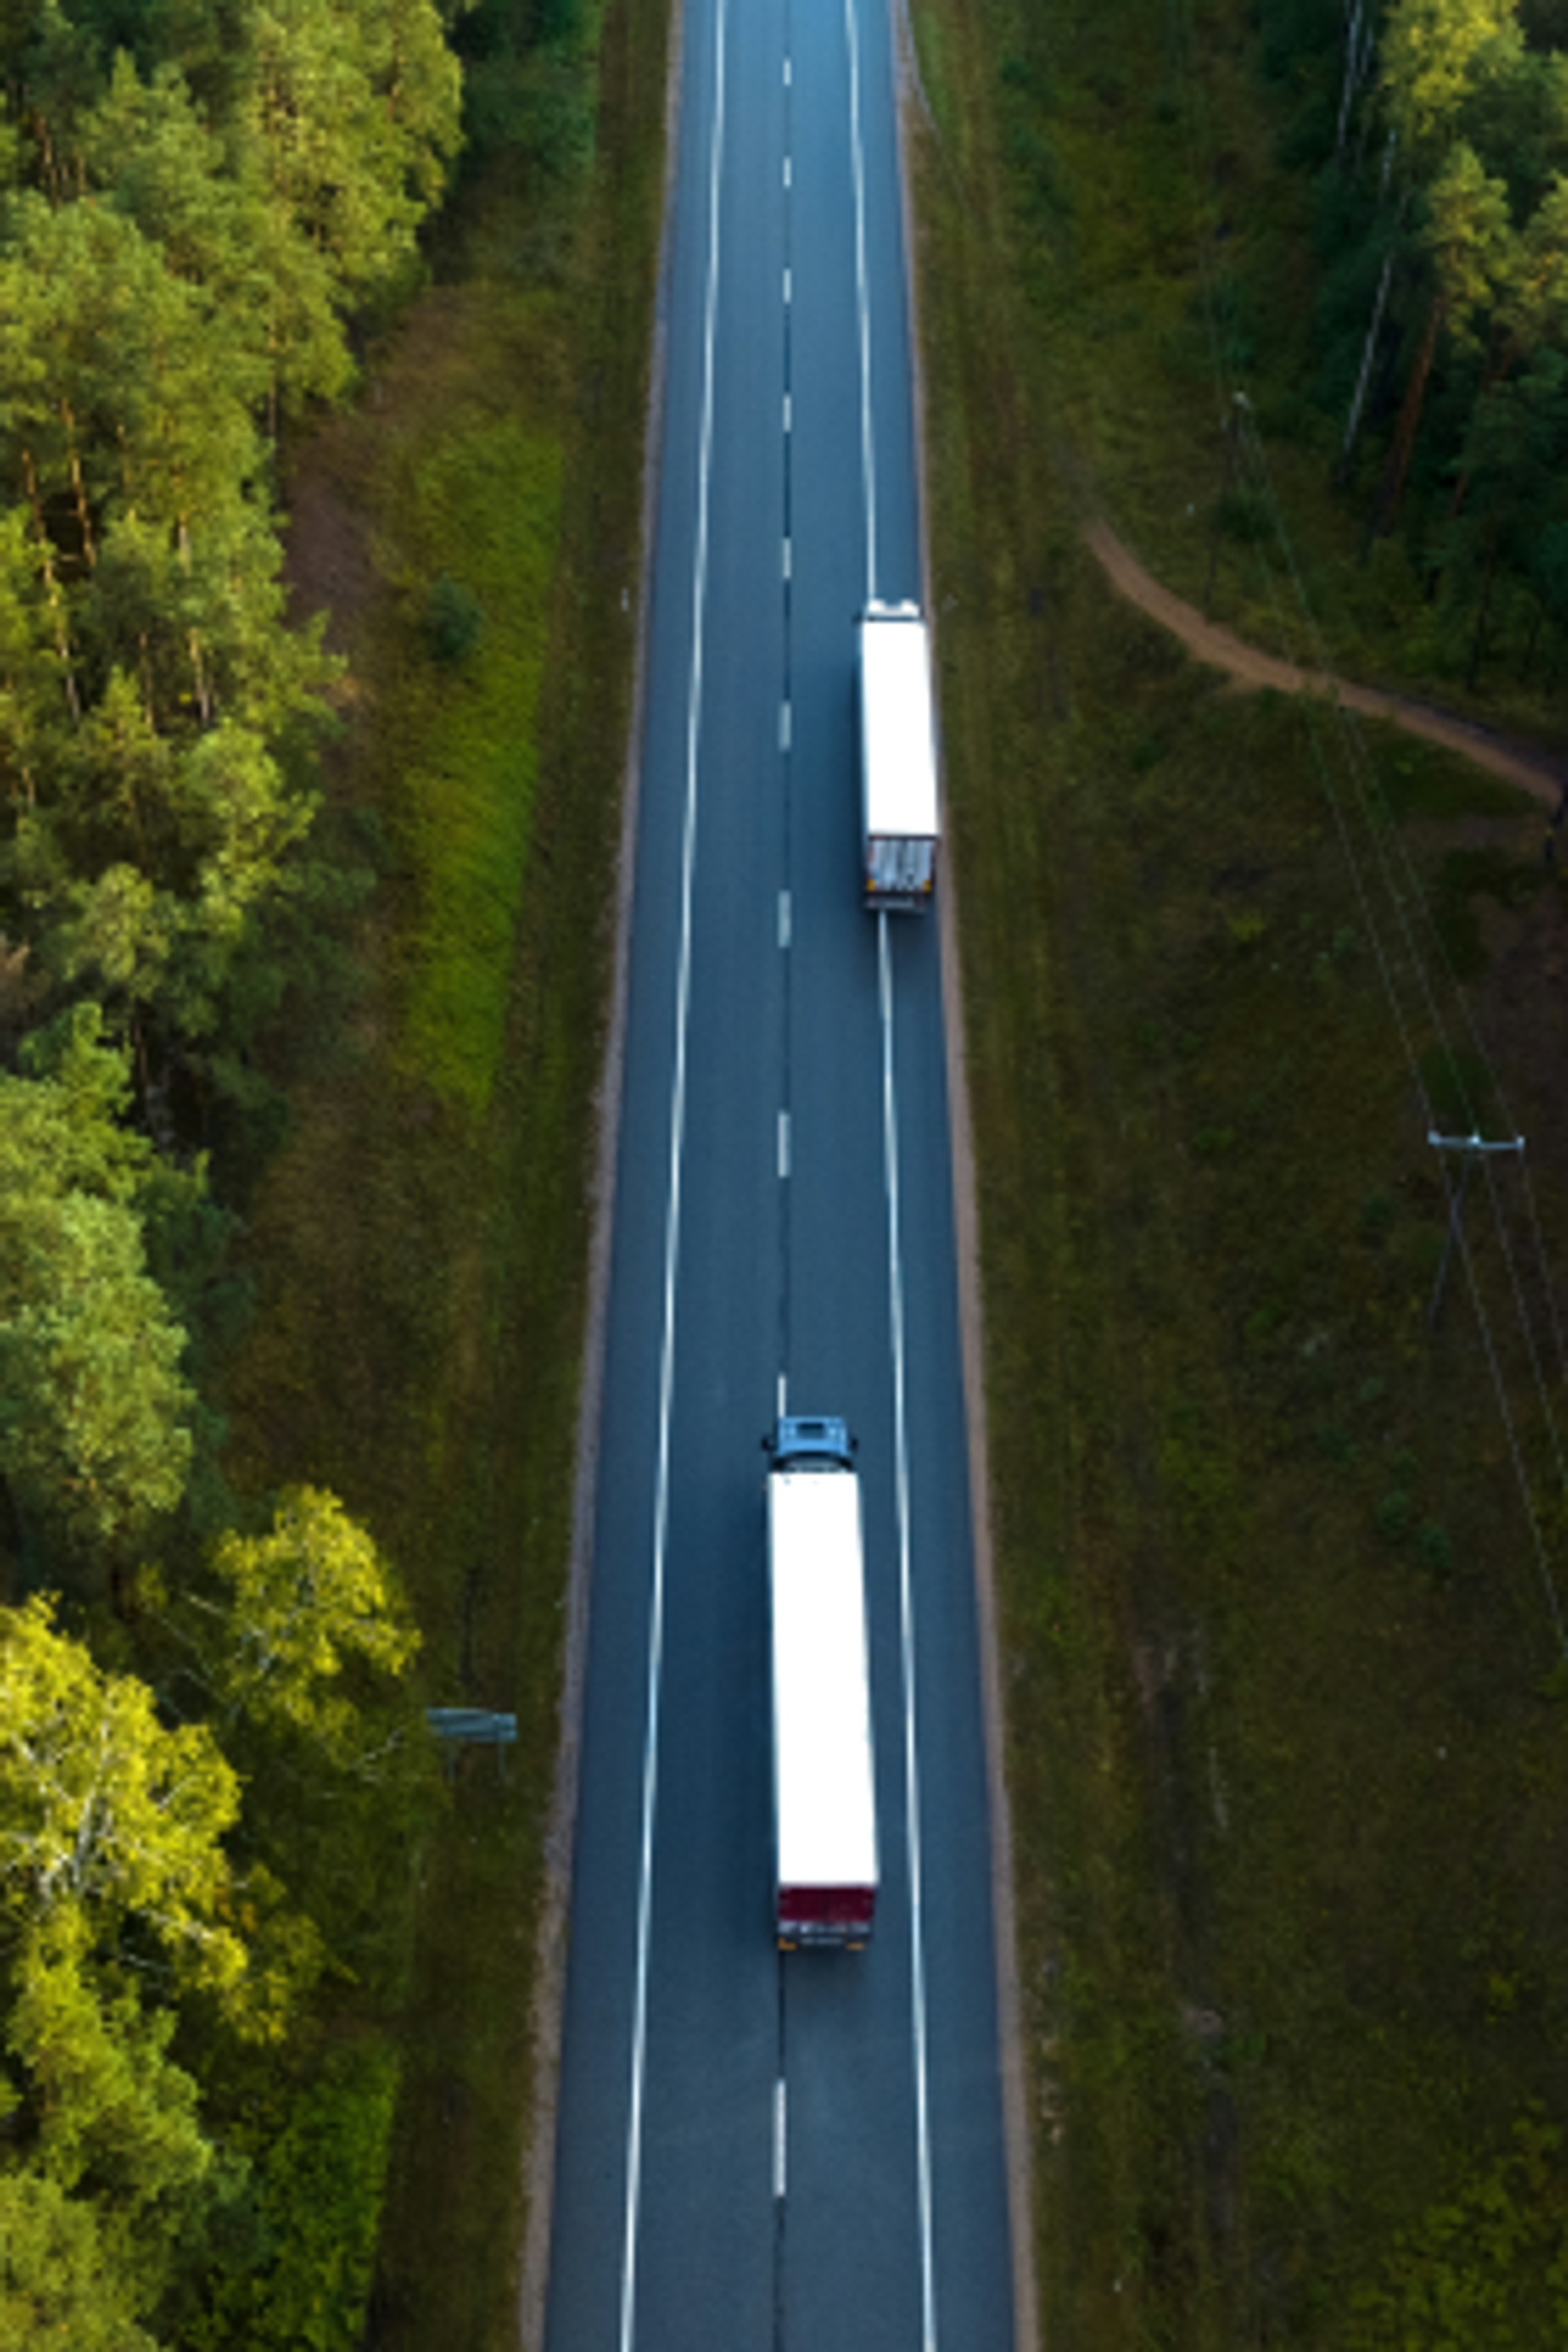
(757, 2150)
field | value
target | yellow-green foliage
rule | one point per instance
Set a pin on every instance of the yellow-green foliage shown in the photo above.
(1487, 2268)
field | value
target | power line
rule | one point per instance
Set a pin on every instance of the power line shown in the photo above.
(1346, 763)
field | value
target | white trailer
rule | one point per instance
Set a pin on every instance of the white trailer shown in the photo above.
(898, 757)
(824, 1788)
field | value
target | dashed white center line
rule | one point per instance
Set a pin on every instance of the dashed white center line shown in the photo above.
(785, 917)
(788, 73)
(783, 1144)
(779, 2101)
(867, 449)
(788, 414)
(787, 559)
(783, 726)
(788, 168)
(788, 288)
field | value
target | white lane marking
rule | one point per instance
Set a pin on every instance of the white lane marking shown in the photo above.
(786, 917)
(867, 449)
(782, 1390)
(789, 70)
(789, 414)
(784, 726)
(787, 171)
(783, 1144)
(778, 2128)
(677, 1136)
(787, 559)
(789, 283)
(912, 1771)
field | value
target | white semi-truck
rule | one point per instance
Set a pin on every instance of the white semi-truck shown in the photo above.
(898, 757)
(824, 1782)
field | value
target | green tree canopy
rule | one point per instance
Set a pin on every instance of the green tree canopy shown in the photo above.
(107, 1816)
(152, 700)
(1435, 53)
(1467, 234)
(55, 2290)
(94, 1410)
(305, 1605)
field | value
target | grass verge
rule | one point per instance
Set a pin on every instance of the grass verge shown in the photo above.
(1279, 1560)
(419, 1247)
(1161, 218)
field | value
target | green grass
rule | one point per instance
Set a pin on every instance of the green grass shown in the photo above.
(1285, 1741)
(481, 511)
(456, 470)
(419, 1249)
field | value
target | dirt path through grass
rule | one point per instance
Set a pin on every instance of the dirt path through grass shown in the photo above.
(1519, 762)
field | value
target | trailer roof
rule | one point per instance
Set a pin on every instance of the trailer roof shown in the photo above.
(898, 740)
(824, 1774)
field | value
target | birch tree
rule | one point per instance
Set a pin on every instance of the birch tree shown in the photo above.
(310, 1608)
(110, 1821)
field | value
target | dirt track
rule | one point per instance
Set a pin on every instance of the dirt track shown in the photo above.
(1519, 762)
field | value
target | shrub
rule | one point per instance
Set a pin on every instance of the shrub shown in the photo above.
(1434, 1549)
(453, 621)
(319, 2186)
(1392, 1516)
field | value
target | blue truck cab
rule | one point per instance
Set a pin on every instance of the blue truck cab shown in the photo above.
(810, 1442)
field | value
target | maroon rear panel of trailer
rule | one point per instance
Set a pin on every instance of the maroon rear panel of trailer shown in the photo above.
(825, 1914)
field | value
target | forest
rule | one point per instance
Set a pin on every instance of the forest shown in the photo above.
(1435, 133)
(211, 1763)
(213, 1778)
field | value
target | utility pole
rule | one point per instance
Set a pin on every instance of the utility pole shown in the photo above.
(1239, 402)
(1555, 827)
(1472, 1147)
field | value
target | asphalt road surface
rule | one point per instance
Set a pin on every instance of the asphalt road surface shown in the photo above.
(755, 2150)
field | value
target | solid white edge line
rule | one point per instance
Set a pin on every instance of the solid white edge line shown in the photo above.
(677, 1128)
(912, 1769)
(867, 446)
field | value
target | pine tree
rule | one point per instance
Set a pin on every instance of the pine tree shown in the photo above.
(94, 1413)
